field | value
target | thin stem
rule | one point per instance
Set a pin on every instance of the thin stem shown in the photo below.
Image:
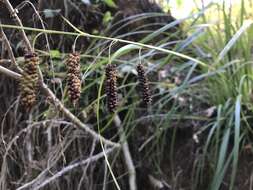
(138, 44)
(9, 73)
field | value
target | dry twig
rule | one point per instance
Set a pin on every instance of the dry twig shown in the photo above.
(9, 73)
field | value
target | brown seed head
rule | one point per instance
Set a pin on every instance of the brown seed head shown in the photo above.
(73, 77)
(143, 83)
(29, 81)
(111, 87)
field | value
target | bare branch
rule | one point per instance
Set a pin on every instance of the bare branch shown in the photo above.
(9, 73)
(2, 61)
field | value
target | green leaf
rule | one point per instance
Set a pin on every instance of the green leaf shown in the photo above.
(55, 54)
(110, 3)
(107, 17)
(236, 140)
(125, 49)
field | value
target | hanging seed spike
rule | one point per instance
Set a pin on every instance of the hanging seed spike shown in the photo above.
(31, 62)
(73, 77)
(143, 83)
(27, 96)
(111, 71)
(74, 87)
(27, 92)
(112, 100)
(75, 71)
(31, 59)
(30, 55)
(29, 80)
(73, 60)
(111, 87)
(73, 64)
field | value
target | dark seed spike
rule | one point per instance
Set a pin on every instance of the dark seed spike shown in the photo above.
(143, 83)
(111, 87)
(73, 77)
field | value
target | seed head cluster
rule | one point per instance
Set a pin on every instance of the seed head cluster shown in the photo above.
(29, 81)
(143, 83)
(111, 87)
(73, 77)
